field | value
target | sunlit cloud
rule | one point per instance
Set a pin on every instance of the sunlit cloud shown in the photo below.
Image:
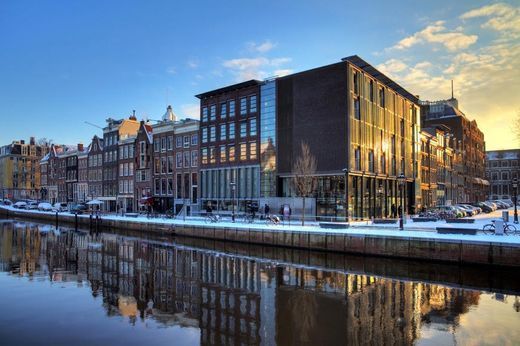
(255, 68)
(499, 17)
(437, 33)
(263, 47)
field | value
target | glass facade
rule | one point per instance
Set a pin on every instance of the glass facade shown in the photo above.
(268, 139)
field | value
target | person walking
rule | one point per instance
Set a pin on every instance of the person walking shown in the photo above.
(394, 210)
(266, 210)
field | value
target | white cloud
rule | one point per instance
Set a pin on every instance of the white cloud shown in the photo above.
(190, 110)
(263, 47)
(437, 33)
(282, 72)
(192, 63)
(500, 17)
(171, 70)
(255, 68)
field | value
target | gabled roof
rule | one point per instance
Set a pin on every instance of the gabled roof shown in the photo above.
(371, 70)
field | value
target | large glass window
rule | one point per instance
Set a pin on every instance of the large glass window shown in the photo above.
(212, 134)
(194, 139)
(178, 160)
(231, 130)
(212, 155)
(252, 104)
(231, 153)
(194, 158)
(223, 132)
(212, 112)
(252, 151)
(231, 108)
(243, 151)
(252, 127)
(243, 129)
(204, 116)
(223, 154)
(357, 109)
(243, 106)
(204, 135)
(223, 110)
(204, 153)
(187, 159)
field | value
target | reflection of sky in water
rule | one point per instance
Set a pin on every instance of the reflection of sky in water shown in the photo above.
(65, 313)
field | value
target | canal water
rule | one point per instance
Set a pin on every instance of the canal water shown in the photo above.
(60, 286)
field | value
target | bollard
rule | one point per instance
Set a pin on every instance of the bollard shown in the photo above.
(56, 219)
(76, 220)
(505, 216)
(499, 227)
(90, 222)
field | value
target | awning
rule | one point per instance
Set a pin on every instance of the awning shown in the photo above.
(146, 200)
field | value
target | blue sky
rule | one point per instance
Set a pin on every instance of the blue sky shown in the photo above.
(66, 62)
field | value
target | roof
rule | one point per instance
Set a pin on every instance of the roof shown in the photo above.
(507, 154)
(371, 70)
(229, 88)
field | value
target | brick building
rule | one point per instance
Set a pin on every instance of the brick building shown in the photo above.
(502, 167)
(95, 168)
(143, 167)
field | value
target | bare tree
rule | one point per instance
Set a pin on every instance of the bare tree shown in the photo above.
(45, 141)
(304, 180)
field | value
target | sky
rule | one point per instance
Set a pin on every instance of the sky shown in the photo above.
(64, 63)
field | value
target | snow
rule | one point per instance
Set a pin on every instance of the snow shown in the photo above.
(422, 230)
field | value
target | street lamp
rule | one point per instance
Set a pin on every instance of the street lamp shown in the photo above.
(380, 195)
(515, 197)
(233, 189)
(345, 171)
(401, 179)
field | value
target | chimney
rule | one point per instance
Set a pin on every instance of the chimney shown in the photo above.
(22, 141)
(32, 141)
(80, 146)
(132, 117)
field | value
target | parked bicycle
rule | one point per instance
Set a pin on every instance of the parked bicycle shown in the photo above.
(509, 228)
(248, 218)
(272, 220)
(212, 218)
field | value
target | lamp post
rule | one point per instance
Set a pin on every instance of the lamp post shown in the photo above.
(380, 195)
(401, 178)
(233, 189)
(515, 197)
(345, 171)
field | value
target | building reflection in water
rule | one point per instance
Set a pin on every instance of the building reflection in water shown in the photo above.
(230, 299)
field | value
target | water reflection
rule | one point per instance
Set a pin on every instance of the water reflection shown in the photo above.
(238, 300)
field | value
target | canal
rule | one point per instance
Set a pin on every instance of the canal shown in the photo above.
(61, 286)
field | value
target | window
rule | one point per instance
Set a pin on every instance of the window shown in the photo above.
(231, 130)
(231, 153)
(356, 82)
(178, 163)
(194, 139)
(204, 152)
(252, 151)
(204, 135)
(212, 134)
(357, 158)
(163, 165)
(130, 151)
(252, 104)
(131, 169)
(204, 116)
(371, 164)
(212, 112)
(223, 153)
(170, 143)
(357, 110)
(243, 129)
(402, 127)
(194, 158)
(170, 164)
(243, 106)
(223, 132)
(382, 97)
(383, 163)
(505, 175)
(157, 163)
(212, 155)
(186, 141)
(243, 151)
(163, 143)
(371, 91)
(187, 159)
(231, 108)
(156, 186)
(179, 185)
(252, 127)
(223, 110)
(178, 141)
(170, 186)
(156, 145)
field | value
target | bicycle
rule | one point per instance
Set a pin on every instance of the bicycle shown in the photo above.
(490, 228)
(248, 218)
(272, 220)
(211, 218)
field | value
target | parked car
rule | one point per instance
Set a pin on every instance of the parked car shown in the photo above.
(32, 205)
(60, 206)
(483, 206)
(491, 204)
(450, 209)
(508, 202)
(20, 205)
(79, 208)
(500, 204)
(465, 211)
(44, 206)
(470, 210)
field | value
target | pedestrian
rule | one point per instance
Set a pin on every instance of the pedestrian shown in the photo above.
(266, 210)
(393, 210)
(209, 209)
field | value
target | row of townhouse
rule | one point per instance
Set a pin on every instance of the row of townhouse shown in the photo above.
(378, 149)
(135, 165)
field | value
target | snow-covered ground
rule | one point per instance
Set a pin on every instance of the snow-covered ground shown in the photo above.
(422, 230)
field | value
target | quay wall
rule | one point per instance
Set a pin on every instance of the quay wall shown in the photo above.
(454, 251)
